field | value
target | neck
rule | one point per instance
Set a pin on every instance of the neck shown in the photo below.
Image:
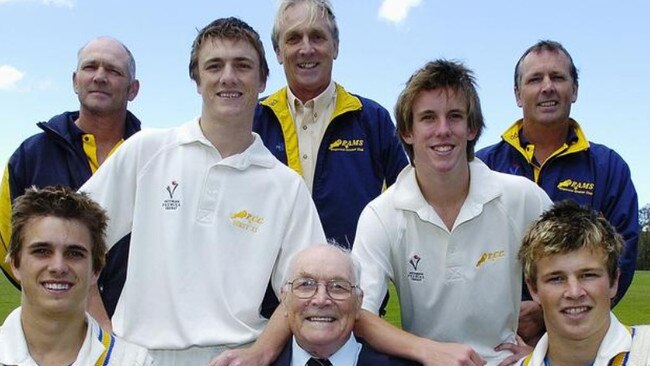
(305, 95)
(569, 352)
(53, 339)
(547, 138)
(446, 193)
(108, 130)
(230, 138)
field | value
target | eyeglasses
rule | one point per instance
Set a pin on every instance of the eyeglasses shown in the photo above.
(306, 288)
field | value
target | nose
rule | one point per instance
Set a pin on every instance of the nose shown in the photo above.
(228, 75)
(547, 84)
(58, 264)
(321, 298)
(100, 75)
(306, 46)
(442, 128)
(574, 289)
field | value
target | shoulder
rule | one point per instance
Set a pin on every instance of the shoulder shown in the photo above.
(604, 155)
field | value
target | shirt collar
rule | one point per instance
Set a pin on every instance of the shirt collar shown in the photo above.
(617, 339)
(345, 356)
(255, 154)
(320, 103)
(571, 136)
(13, 346)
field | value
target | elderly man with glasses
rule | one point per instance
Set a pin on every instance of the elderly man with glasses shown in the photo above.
(321, 301)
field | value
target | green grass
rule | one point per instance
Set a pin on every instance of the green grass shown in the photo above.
(634, 309)
(9, 297)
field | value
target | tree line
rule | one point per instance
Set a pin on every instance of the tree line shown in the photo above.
(643, 258)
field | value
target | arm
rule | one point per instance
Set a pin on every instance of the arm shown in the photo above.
(96, 309)
(393, 157)
(531, 322)
(266, 349)
(621, 208)
(5, 226)
(391, 340)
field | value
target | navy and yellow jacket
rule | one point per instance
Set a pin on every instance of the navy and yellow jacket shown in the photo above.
(590, 174)
(359, 152)
(60, 155)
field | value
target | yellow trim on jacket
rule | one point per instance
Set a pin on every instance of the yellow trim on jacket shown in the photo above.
(511, 136)
(279, 104)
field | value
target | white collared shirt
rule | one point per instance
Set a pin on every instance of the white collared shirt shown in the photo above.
(311, 119)
(617, 339)
(446, 277)
(347, 355)
(207, 234)
(14, 350)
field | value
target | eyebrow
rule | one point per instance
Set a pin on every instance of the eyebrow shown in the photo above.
(47, 245)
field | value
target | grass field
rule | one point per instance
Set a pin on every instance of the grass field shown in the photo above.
(633, 309)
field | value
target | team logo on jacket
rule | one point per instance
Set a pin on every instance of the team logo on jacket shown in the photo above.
(415, 275)
(171, 203)
(347, 145)
(246, 221)
(569, 185)
(490, 257)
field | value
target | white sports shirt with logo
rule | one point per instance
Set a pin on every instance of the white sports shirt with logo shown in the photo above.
(207, 235)
(462, 285)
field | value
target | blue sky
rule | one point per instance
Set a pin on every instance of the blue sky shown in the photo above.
(382, 43)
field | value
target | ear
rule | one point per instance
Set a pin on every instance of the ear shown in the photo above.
(613, 286)
(74, 83)
(517, 96)
(359, 301)
(532, 288)
(407, 136)
(134, 88)
(261, 87)
(93, 278)
(278, 54)
(336, 50)
(15, 270)
(471, 135)
(574, 96)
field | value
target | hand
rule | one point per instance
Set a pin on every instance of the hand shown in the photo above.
(239, 357)
(450, 354)
(518, 350)
(531, 322)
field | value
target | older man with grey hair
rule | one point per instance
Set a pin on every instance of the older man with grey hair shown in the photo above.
(73, 145)
(321, 318)
(330, 136)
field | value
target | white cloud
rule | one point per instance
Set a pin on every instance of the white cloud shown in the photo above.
(9, 76)
(396, 11)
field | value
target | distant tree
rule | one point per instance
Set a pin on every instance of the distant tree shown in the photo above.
(643, 258)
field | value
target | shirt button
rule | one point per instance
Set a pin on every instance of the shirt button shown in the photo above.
(304, 127)
(304, 156)
(315, 115)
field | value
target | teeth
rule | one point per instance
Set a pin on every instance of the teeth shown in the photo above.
(576, 310)
(229, 94)
(548, 104)
(320, 319)
(443, 148)
(55, 286)
(307, 65)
